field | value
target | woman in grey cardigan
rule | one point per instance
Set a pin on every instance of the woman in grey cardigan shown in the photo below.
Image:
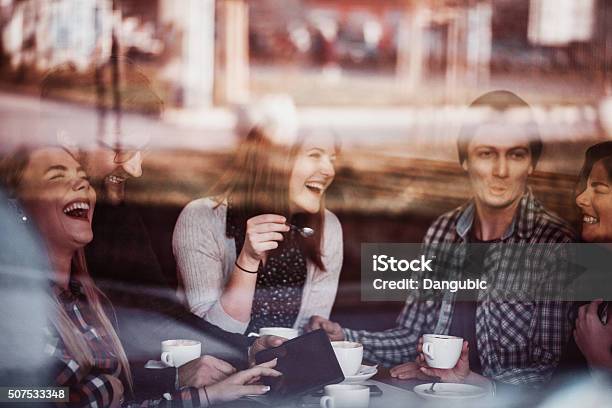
(242, 261)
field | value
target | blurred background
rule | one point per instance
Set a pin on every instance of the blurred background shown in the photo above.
(391, 78)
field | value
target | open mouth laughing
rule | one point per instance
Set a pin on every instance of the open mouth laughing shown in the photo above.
(589, 219)
(113, 179)
(78, 209)
(317, 187)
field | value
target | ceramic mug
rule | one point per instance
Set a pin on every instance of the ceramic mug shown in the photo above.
(442, 351)
(175, 353)
(349, 355)
(345, 396)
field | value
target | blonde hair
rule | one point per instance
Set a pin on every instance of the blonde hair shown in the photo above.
(11, 172)
(75, 342)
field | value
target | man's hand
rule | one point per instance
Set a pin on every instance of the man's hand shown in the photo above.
(263, 343)
(203, 371)
(457, 374)
(593, 337)
(333, 329)
(408, 371)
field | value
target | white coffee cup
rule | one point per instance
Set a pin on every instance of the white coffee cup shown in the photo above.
(175, 353)
(345, 396)
(286, 332)
(349, 355)
(441, 351)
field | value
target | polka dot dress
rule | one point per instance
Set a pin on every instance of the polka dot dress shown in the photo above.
(278, 292)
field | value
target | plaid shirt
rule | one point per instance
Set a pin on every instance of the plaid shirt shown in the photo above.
(519, 342)
(90, 387)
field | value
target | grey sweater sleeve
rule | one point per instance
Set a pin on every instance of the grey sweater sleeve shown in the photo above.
(202, 257)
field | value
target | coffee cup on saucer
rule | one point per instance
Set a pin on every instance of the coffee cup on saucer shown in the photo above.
(175, 353)
(345, 396)
(442, 351)
(349, 355)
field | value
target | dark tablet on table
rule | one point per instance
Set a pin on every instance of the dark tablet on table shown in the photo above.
(307, 362)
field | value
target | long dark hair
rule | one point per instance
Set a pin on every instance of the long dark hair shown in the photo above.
(600, 151)
(258, 183)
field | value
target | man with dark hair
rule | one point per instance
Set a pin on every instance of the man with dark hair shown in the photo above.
(514, 331)
(502, 102)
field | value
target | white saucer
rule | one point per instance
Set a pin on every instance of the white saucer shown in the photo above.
(446, 391)
(155, 365)
(364, 374)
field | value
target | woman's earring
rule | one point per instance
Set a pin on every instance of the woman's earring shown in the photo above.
(14, 204)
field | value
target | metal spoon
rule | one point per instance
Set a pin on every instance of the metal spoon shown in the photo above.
(306, 232)
(430, 390)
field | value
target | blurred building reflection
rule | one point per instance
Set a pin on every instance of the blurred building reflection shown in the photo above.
(213, 52)
(392, 79)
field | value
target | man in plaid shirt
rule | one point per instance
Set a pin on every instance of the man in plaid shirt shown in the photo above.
(515, 330)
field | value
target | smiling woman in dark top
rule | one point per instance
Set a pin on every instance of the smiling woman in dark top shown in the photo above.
(594, 199)
(241, 267)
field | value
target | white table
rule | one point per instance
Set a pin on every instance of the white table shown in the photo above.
(392, 397)
(402, 396)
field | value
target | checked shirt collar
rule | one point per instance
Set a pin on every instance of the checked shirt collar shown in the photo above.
(523, 222)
